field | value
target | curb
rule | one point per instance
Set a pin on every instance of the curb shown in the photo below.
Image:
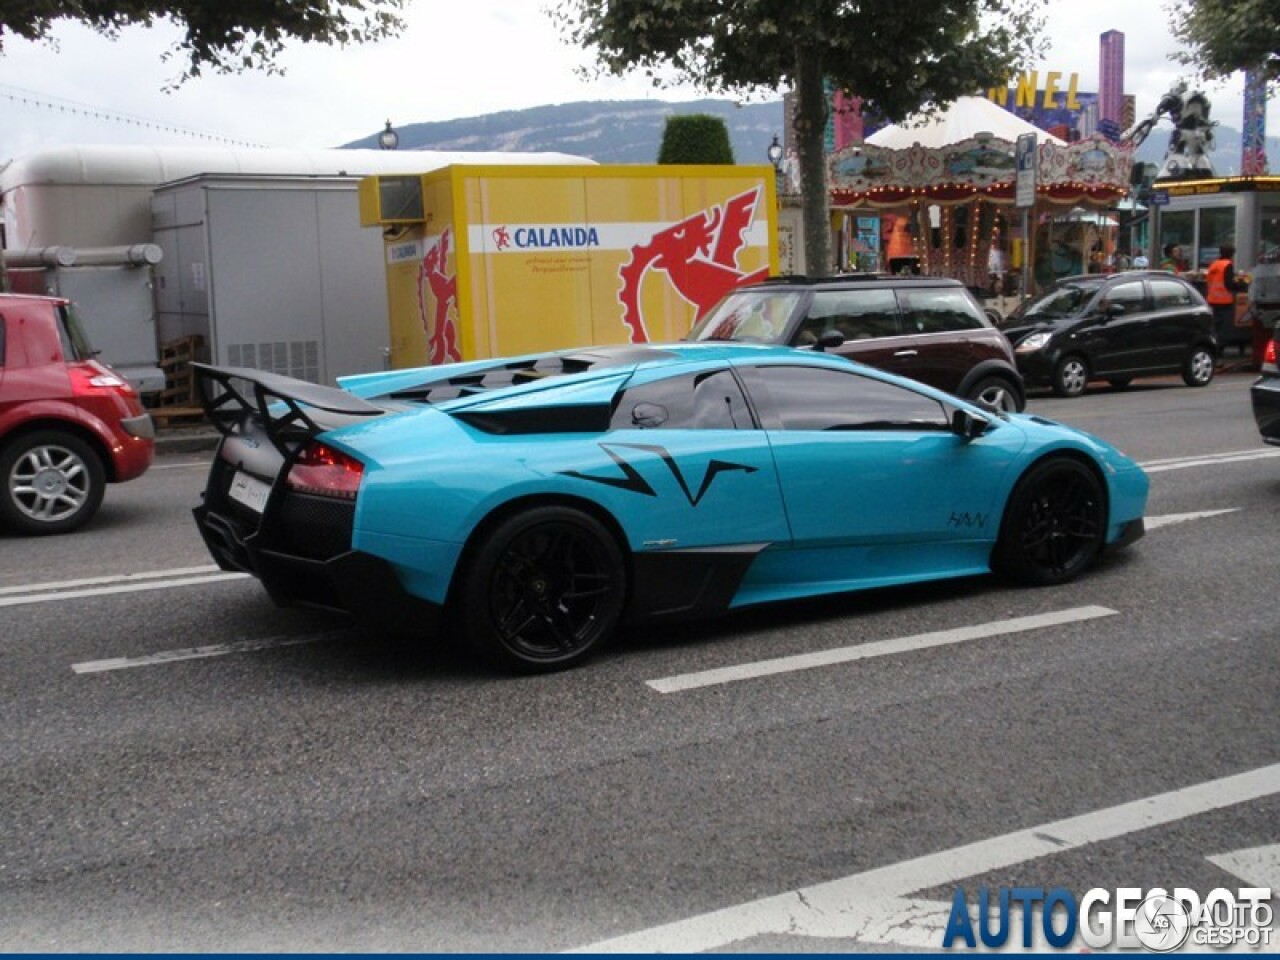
(186, 440)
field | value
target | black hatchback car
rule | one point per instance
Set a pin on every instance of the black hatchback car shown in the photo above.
(930, 329)
(1113, 327)
(1265, 394)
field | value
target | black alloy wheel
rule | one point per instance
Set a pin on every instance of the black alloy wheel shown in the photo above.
(544, 590)
(1054, 525)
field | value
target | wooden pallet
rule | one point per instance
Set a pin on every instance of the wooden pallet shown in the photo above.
(179, 385)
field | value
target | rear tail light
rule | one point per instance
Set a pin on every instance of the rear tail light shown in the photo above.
(92, 378)
(326, 472)
(1269, 358)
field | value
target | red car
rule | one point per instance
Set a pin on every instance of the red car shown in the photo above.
(68, 424)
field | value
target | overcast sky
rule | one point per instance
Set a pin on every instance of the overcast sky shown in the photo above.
(453, 60)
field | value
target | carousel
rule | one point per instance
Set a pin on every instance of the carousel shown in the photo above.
(937, 198)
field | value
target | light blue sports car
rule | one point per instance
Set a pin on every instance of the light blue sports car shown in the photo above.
(528, 505)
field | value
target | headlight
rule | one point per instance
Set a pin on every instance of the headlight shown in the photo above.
(1032, 343)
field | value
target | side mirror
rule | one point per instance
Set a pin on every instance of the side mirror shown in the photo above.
(968, 426)
(1113, 309)
(829, 339)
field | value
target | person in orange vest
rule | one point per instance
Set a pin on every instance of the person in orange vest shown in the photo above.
(1220, 290)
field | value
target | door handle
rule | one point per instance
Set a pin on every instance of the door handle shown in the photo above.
(906, 353)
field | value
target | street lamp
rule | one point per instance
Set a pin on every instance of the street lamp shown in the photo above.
(388, 139)
(775, 153)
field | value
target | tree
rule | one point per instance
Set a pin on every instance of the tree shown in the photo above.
(1224, 36)
(695, 138)
(899, 56)
(226, 36)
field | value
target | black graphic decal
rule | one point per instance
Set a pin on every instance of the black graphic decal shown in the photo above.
(631, 479)
(967, 519)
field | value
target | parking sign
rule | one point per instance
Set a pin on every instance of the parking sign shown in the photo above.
(1026, 157)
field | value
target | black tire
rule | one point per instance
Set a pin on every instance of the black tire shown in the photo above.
(50, 482)
(543, 590)
(1198, 368)
(1070, 376)
(1054, 525)
(1120, 383)
(995, 392)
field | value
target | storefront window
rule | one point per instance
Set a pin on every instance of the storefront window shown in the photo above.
(1269, 248)
(1177, 229)
(1217, 226)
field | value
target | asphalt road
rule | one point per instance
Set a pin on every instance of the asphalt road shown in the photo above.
(186, 767)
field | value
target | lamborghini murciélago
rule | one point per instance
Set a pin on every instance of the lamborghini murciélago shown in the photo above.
(529, 505)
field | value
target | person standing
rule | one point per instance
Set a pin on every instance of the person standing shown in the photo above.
(1220, 290)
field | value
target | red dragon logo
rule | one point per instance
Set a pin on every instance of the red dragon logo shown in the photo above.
(700, 256)
(438, 302)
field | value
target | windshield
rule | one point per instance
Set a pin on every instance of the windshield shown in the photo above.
(749, 315)
(1064, 300)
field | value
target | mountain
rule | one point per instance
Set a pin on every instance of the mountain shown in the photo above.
(630, 131)
(607, 131)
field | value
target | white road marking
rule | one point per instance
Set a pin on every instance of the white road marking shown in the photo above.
(23, 599)
(1206, 460)
(117, 578)
(881, 648)
(1256, 866)
(866, 906)
(1169, 519)
(194, 653)
(180, 466)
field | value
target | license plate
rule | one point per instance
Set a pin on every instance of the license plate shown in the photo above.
(249, 491)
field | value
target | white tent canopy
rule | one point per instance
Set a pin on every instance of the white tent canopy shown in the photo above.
(964, 119)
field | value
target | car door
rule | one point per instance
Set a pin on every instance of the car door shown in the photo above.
(951, 335)
(1117, 342)
(685, 465)
(1177, 322)
(877, 487)
(870, 322)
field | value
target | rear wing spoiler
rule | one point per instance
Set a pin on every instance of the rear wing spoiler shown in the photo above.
(290, 410)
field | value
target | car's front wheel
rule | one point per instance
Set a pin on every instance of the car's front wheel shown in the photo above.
(1054, 524)
(544, 590)
(1070, 377)
(1197, 371)
(996, 393)
(50, 482)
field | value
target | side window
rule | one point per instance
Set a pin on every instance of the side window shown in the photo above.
(711, 400)
(1129, 295)
(939, 309)
(809, 398)
(858, 314)
(1167, 294)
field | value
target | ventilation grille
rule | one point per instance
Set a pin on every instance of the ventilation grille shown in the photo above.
(293, 358)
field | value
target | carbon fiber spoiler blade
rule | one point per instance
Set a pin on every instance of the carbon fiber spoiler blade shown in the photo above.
(227, 404)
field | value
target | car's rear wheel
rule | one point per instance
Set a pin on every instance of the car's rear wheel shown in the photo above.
(1054, 524)
(1070, 377)
(50, 482)
(1197, 371)
(543, 591)
(995, 392)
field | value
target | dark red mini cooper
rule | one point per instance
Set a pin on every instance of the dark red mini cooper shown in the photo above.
(69, 425)
(930, 329)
